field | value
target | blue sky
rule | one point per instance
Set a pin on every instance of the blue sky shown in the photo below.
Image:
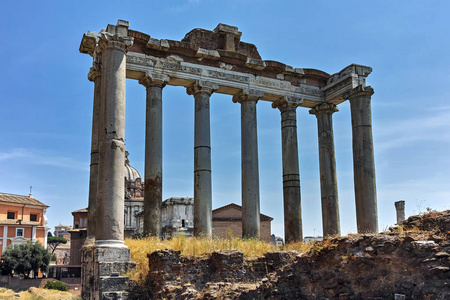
(46, 100)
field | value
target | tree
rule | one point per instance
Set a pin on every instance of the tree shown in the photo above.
(53, 242)
(24, 258)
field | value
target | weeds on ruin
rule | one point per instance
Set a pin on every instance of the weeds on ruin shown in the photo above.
(192, 246)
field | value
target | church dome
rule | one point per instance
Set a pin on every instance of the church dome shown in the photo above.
(130, 173)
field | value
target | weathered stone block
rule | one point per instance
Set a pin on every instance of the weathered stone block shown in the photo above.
(113, 283)
(111, 255)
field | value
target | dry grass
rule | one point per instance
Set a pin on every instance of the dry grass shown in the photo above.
(36, 294)
(191, 246)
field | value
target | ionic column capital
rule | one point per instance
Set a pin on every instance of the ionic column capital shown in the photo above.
(154, 80)
(115, 36)
(94, 72)
(248, 95)
(287, 103)
(202, 86)
(358, 92)
(324, 108)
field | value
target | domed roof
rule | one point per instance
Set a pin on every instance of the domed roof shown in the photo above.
(130, 173)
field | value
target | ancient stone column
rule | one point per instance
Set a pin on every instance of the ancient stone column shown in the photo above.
(327, 162)
(291, 174)
(153, 154)
(363, 159)
(95, 76)
(251, 223)
(202, 91)
(113, 45)
(400, 209)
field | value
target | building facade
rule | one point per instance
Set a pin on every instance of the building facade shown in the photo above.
(22, 220)
(227, 222)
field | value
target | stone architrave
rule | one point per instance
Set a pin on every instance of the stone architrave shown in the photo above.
(113, 45)
(250, 169)
(202, 91)
(154, 84)
(95, 76)
(363, 159)
(293, 231)
(327, 162)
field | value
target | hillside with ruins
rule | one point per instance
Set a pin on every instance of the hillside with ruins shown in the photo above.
(410, 261)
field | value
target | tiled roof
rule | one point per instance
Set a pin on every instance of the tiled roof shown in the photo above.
(81, 210)
(19, 199)
(238, 207)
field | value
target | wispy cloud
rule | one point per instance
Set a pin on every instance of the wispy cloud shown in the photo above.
(30, 156)
(433, 127)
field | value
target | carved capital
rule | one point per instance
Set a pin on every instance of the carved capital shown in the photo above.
(287, 102)
(358, 92)
(324, 108)
(248, 95)
(107, 39)
(94, 72)
(154, 79)
(202, 86)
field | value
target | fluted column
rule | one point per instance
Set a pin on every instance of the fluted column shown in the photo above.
(153, 154)
(202, 91)
(327, 162)
(113, 45)
(251, 223)
(291, 174)
(95, 76)
(363, 159)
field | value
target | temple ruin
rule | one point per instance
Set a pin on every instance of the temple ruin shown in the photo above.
(207, 62)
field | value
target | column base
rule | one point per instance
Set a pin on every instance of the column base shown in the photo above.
(101, 272)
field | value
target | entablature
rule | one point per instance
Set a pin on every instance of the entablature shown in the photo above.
(220, 57)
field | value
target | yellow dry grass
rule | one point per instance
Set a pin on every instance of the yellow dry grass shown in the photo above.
(191, 246)
(36, 294)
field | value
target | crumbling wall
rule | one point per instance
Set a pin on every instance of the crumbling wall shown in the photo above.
(413, 265)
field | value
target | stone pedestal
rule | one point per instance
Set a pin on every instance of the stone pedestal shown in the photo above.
(327, 162)
(102, 272)
(251, 224)
(363, 159)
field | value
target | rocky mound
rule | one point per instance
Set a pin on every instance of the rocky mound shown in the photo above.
(412, 261)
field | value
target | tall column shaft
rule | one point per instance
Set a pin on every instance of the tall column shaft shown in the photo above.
(251, 222)
(293, 231)
(202, 159)
(95, 76)
(363, 160)
(153, 157)
(110, 194)
(327, 162)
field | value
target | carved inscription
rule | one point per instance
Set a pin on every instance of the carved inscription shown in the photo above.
(227, 76)
(273, 83)
(308, 91)
(178, 67)
(346, 83)
(140, 61)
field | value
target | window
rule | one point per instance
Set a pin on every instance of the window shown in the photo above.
(19, 232)
(33, 217)
(11, 215)
(183, 223)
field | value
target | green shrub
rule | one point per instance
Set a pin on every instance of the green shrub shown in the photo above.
(55, 285)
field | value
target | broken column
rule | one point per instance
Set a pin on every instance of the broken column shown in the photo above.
(291, 174)
(327, 163)
(400, 208)
(202, 91)
(363, 159)
(249, 160)
(153, 153)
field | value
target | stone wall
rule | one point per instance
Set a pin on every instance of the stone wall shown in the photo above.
(413, 265)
